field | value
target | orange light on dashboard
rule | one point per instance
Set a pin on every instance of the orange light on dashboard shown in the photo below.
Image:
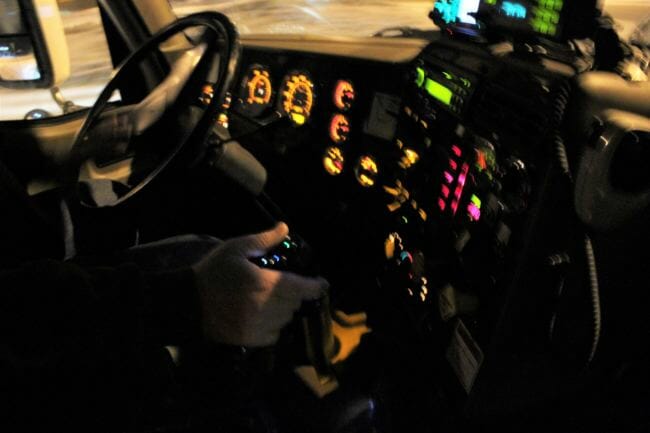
(207, 93)
(481, 160)
(399, 194)
(259, 87)
(333, 161)
(344, 95)
(410, 158)
(297, 98)
(366, 171)
(223, 120)
(227, 102)
(339, 128)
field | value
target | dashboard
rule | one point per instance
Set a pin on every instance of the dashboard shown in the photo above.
(326, 158)
(424, 185)
(424, 175)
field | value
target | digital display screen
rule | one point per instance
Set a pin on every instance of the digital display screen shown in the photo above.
(542, 17)
(552, 19)
(13, 46)
(11, 22)
(7, 49)
(455, 13)
(438, 91)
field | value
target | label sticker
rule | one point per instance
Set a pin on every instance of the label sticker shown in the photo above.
(382, 122)
(464, 355)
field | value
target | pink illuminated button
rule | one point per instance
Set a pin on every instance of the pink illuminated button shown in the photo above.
(474, 212)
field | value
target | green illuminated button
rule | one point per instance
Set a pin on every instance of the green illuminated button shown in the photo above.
(438, 91)
(420, 77)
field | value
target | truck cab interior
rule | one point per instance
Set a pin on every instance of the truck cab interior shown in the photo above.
(476, 194)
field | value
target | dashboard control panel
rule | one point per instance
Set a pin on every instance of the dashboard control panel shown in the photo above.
(462, 188)
(417, 184)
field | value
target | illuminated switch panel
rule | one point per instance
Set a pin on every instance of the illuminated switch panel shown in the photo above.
(453, 183)
(446, 88)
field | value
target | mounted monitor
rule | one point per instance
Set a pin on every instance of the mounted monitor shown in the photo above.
(33, 48)
(558, 20)
(456, 16)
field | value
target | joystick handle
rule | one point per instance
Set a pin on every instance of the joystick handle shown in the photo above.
(294, 255)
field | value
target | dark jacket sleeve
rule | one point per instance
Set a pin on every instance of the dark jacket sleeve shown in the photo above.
(87, 339)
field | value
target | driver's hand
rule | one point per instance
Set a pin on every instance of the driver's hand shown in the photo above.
(243, 304)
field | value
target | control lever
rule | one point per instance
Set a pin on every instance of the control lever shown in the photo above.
(292, 255)
(295, 255)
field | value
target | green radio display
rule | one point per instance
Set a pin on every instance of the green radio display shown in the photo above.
(450, 89)
(438, 91)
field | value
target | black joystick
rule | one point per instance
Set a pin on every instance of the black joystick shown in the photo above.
(295, 255)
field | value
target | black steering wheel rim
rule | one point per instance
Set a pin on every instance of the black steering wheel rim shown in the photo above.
(227, 42)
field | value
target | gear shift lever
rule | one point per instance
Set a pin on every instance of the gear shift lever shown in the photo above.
(321, 345)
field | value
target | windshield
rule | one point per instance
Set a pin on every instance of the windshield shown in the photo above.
(357, 17)
(91, 65)
(317, 17)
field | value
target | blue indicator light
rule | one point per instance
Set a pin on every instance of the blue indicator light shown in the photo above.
(448, 10)
(514, 10)
(453, 11)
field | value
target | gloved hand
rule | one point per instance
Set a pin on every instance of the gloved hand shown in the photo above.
(243, 304)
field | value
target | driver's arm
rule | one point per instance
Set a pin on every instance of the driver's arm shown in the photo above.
(87, 335)
(224, 298)
(243, 304)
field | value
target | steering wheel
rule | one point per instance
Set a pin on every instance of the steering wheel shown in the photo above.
(120, 149)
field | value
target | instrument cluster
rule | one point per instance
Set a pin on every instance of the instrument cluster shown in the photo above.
(329, 106)
(294, 97)
(259, 95)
